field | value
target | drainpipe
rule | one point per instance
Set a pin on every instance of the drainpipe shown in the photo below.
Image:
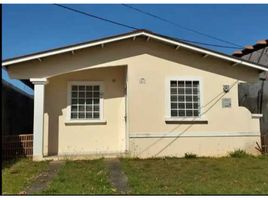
(263, 76)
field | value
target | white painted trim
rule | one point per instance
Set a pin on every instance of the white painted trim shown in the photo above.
(188, 119)
(167, 97)
(134, 35)
(86, 122)
(177, 47)
(191, 134)
(39, 81)
(256, 116)
(90, 153)
(207, 52)
(38, 129)
(127, 112)
(68, 49)
(68, 119)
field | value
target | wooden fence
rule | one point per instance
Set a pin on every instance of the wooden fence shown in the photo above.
(14, 146)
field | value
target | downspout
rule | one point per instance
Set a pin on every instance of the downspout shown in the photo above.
(263, 77)
(126, 150)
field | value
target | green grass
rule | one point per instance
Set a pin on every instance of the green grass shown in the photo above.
(18, 174)
(239, 175)
(81, 177)
(247, 175)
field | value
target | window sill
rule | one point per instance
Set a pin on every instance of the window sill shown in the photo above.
(70, 122)
(256, 116)
(187, 120)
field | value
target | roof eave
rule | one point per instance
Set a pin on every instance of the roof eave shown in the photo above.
(127, 36)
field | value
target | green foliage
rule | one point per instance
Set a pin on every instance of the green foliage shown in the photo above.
(190, 155)
(238, 154)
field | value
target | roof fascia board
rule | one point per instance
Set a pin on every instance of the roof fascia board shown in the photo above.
(206, 52)
(11, 62)
(130, 36)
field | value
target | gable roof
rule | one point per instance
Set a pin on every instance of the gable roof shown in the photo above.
(176, 42)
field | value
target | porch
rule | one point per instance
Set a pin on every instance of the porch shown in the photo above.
(80, 114)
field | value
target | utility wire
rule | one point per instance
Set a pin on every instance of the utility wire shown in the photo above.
(134, 28)
(207, 44)
(180, 26)
(238, 47)
(97, 17)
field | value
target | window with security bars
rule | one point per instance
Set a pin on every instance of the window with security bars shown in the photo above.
(184, 98)
(85, 102)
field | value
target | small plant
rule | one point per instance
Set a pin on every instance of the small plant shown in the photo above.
(190, 155)
(238, 154)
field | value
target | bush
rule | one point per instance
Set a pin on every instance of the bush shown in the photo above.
(238, 154)
(190, 155)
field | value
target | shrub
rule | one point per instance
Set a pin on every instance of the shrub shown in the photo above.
(190, 155)
(238, 154)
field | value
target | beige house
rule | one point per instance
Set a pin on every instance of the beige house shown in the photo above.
(138, 94)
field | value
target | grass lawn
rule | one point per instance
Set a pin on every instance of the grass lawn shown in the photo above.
(18, 174)
(81, 177)
(247, 175)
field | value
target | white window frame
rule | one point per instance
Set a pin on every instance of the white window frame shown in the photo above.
(168, 117)
(69, 99)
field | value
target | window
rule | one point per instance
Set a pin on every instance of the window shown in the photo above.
(184, 98)
(85, 100)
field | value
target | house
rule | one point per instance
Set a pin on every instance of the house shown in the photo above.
(256, 53)
(17, 110)
(138, 94)
(257, 93)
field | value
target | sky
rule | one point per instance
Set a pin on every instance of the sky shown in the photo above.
(31, 28)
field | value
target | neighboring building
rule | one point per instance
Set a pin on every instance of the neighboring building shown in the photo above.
(17, 110)
(138, 94)
(257, 53)
(257, 93)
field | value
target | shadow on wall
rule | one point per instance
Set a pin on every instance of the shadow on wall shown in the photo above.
(53, 128)
(56, 97)
(53, 132)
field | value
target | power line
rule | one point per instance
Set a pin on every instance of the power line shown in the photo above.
(132, 27)
(207, 44)
(192, 30)
(179, 26)
(97, 17)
